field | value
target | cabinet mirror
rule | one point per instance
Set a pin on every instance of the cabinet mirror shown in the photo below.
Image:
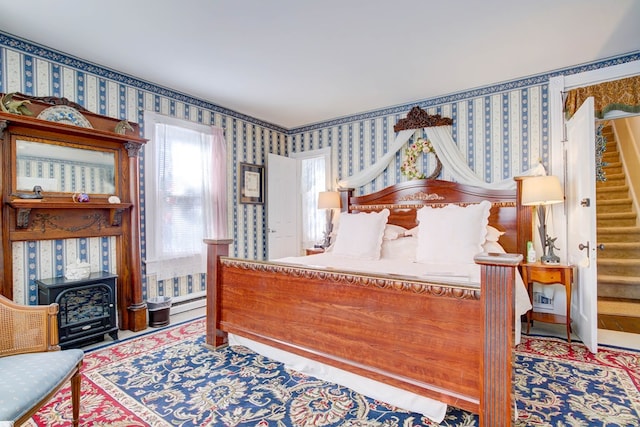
(63, 168)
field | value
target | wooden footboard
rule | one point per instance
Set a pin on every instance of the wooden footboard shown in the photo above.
(449, 343)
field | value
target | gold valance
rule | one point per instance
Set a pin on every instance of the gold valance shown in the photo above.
(623, 95)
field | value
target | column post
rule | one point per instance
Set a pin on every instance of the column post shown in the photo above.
(216, 248)
(496, 364)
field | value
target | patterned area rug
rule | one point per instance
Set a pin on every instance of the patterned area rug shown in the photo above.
(167, 378)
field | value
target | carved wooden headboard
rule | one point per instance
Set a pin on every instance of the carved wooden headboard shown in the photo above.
(404, 199)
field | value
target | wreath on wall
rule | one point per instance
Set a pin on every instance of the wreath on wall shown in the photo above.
(412, 153)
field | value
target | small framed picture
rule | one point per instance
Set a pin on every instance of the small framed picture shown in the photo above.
(251, 183)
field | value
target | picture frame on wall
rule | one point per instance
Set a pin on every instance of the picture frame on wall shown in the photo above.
(251, 183)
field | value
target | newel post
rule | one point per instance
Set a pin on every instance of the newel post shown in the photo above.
(216, 248)
(496, 369)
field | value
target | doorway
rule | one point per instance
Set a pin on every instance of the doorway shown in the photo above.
(295, 222)
(618, 228)
(557, 86)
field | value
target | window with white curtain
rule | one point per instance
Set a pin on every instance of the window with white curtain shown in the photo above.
(179, 197)
(314, 167)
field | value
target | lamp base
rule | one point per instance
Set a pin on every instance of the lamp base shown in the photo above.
(550, 259)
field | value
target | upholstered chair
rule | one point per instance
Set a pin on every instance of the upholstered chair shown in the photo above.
(32, 366)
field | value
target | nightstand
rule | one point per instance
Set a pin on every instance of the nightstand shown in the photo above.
(549, 274)
(314, 251)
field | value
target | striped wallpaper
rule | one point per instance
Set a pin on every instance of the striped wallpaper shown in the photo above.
(500, 134)
(501, 129)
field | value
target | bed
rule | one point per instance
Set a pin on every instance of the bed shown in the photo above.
(434, 337)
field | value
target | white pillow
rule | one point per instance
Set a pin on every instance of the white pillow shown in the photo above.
(493, 234)
(400, 249)
(392, 232)
(452, 234)
(360, 235)
(412, 232)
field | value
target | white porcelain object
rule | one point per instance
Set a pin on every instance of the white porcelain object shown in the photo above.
(64, 114)
(78, 270)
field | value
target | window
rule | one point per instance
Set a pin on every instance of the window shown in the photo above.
(180, 199)
(314, 176)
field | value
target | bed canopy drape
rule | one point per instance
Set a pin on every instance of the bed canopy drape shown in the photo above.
(438, 130)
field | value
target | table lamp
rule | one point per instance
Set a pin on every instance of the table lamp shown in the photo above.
(328, 200)
(542, 191)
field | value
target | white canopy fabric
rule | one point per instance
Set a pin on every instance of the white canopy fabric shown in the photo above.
(447, 151)
(369, 174)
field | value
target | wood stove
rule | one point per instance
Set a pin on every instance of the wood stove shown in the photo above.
(87, 307)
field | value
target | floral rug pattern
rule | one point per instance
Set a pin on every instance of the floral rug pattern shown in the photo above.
(168, 378)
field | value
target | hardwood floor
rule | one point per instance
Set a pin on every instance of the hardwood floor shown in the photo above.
(618, 314)
(619, 323)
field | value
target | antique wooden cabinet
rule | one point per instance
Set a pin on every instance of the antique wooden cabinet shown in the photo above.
(104, 152)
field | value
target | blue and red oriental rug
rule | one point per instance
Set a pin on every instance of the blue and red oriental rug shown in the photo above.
(168, 378)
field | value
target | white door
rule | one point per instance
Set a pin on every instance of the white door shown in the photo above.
(282, 206)
(581, 223)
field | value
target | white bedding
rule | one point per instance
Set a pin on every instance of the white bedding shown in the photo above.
(430, 408)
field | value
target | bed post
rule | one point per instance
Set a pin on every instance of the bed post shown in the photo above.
(524, 220)
(215, 249)
(498, 280)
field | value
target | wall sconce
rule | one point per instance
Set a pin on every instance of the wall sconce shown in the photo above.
(542, 191)
(328, 200)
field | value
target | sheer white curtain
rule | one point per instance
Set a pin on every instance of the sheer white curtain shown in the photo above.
(369, 174)
(216, 212)
(452, 161)
(185, 194)
(313, 172)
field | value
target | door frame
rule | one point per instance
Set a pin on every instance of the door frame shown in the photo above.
(557, 161)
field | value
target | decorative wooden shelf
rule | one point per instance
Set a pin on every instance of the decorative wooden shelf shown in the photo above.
(25, 206)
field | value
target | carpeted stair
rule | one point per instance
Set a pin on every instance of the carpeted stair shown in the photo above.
(619, 261)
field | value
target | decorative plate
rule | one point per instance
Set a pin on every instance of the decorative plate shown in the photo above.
(64, 114)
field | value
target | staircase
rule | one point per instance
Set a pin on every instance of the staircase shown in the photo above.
(619, 261)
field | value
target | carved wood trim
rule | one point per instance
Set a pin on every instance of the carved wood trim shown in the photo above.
(24, 209)
(347, 278)
(418, 119)
(54, 100)
(400, 206)
(133, 148)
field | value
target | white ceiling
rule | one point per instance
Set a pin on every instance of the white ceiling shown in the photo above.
(297, 62)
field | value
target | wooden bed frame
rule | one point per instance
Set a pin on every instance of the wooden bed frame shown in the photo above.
(450, 343)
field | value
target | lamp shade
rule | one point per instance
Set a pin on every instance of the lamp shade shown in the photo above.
(541, 190)
(328, 200)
